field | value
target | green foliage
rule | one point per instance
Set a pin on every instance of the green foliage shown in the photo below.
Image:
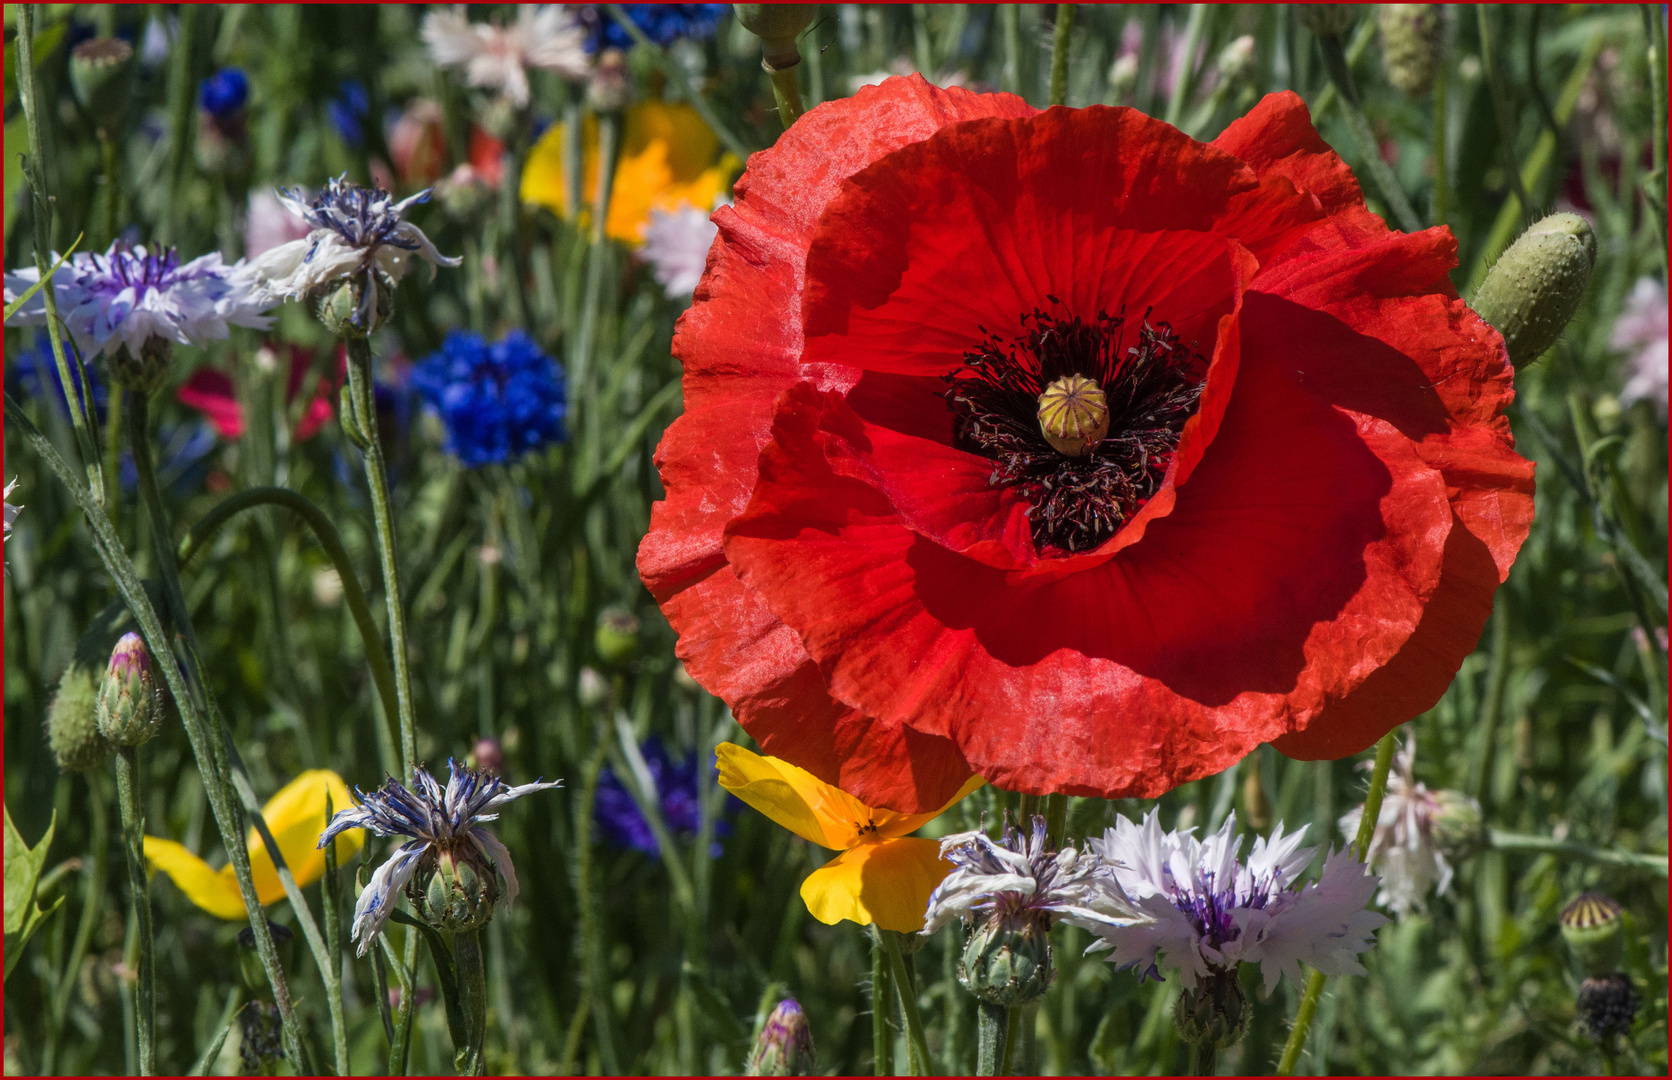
(23, 875)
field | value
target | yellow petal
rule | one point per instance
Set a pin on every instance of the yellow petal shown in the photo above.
(211, 890)
(784, 793)
(892, 823)
(887, 883)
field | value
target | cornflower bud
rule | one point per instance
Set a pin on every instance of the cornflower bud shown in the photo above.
(617, 637)
(340, 307)
(777, 25)
(454, 888)
(1327, 19)
(72, 724)
(129, 708)
(785, 1044)
(1008, 966)
(146, 373)
(1215, 1013)
(1411, 36)
(1607, 1005)
(1592, 926)
(1537, 285)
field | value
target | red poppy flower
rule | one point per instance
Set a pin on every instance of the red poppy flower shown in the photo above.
(212, 393)
(1061, 448)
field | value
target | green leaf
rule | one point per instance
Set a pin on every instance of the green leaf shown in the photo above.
(23, 875)
(13, 307)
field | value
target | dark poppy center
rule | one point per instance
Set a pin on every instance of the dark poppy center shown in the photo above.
(1082, 417)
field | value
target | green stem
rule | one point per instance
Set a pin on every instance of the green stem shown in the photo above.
(593, 968)
(1185, 80)
(1491, 709)
(383, 675)
(1204, 1061)
(1655, 183)
(514, 265)
(331, 897)
(1507, 127)
(1010, 19)
(580, 362)
(1059, 53)
(991, 1049)
(1328, 96)
(133, 848)
(1361, 844)
(677, 75)
(923, 50)
(1335, 60)
(1012, 1040)
(181, 91)
(107, 153)
(471, 1059)
(882, 1011)
(786, 91)
(1499, 840)
(92, 906)
(1056, 819)
(916, 1042)
(405, 974)
(1442, 182)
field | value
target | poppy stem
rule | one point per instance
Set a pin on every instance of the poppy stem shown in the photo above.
(916, 1042)
(1059, 53)
(132, 809)
(1361, 844)
(786, 91)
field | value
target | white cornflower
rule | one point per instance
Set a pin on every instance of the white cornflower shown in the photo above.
(497, 58)
(1210, 912)
(11, 508)
(1018, 882)
(1407, 848)
(676, 245)
(1641, 333)
(129, 295)
(460, 860)
(357, 232)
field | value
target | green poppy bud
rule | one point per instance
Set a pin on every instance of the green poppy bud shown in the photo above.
(455, 889)
(1008, 967)
(72, 723)
(146, 373)
(1592, 926)
(249, 958)
(1411, 36)
(99, 77)
(1215, 1014)
(1537, 285)
(777, 25)
(785, 1044)
(617, 637)
(130, 708)
(1327, 19)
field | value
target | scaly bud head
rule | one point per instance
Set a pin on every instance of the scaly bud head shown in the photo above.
(1592, 927)
(72, 722)
(146, 373)
(454, 889)
(777, 25)
(1073, 415)
(1008, 967)
(344, 310)
(1411, 36)
(130, 708)
(785, 1045)
(1537, 285)
(1215, 1014)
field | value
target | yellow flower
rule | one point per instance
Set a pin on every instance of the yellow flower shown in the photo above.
(296, 815)
(882, 875)
(669, 159)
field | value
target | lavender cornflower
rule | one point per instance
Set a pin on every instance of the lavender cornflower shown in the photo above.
(360, 236)
(1013, 889)
(133, 297)
(451, 866)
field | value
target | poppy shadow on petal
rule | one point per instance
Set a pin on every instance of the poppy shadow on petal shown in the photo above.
(1266, 542)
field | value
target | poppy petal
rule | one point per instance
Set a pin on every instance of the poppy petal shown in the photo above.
(886, 883)
(213, 891)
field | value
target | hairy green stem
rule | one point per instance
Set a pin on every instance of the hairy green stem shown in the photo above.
(1060, 38)
(92, 906)
(1012, 1040)
(1010, 19)
(383, 675)
(1335, 60)
(131, 807)
(1185, 79)
(1499, 840)
(1204, 1061)
(917, 1043)
(786, 91)
(882, 1011)
(1505, 109)
(1361, 844)
(471, 1058)
(331, 901)
(991, 1042)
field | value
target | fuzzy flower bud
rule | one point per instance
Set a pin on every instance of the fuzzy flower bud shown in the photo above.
(1592, 926)
(1456, 824)
(1214, 1014)
(99, 71)
(146, 373)
(1008, 967)
(617, 637)
(130, 708)
(1123, 75)
(341, 308)
(1410, 45)
(777, 25)
(1327, 19)
(785, 1045)
(488, 756)
(1537, 285)
(454, 888)
(72, 725)
(1607, 1005)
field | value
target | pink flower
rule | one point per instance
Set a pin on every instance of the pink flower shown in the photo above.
(1641, 333)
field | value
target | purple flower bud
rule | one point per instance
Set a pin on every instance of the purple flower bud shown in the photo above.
(785, 1044)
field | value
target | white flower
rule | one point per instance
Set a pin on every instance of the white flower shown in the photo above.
(11, 509)
(1210, 912)
(269, 223)
(129, 294)
(1404, 847)
(1017, 881)
(446, 822)
(497, 58)
(356, 232)
(676, 245)
(1641, 333)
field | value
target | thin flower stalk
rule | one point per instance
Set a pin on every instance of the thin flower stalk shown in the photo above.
(1060, 38)
(1507, 126)
(130, 804)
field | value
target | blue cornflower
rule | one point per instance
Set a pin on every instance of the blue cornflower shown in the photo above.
(224, 92)
(37, 369)
(676, 785)
(662, 23)
(446, 841)
(348, 111)
(497, 401)
(183, 458)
